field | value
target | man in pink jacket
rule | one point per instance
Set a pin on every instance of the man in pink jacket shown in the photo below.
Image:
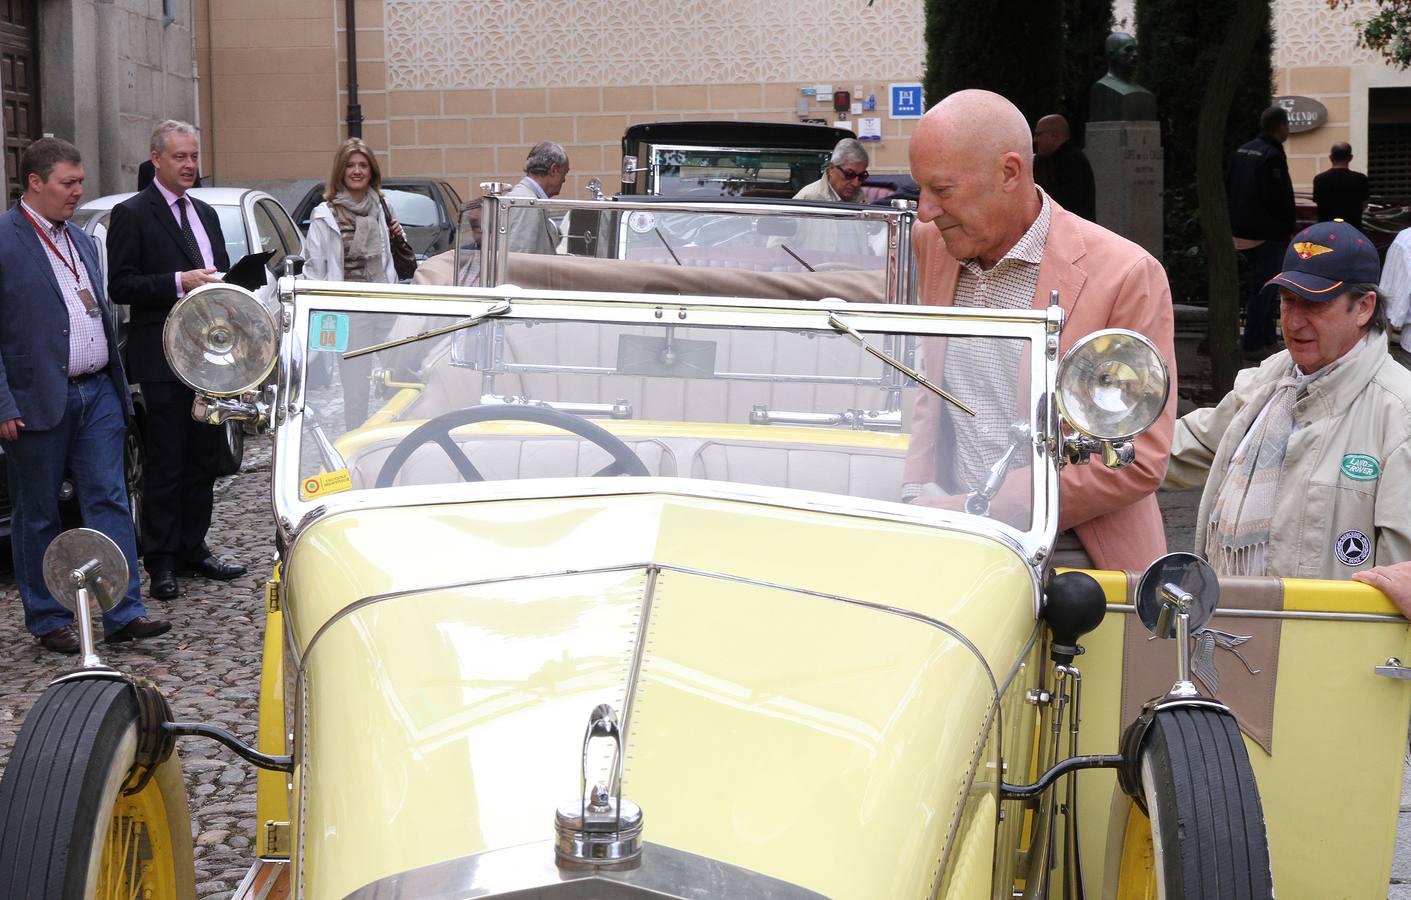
(992, 239)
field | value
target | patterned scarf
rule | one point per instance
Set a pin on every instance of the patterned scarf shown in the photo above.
(361, 231)
(1238, 537)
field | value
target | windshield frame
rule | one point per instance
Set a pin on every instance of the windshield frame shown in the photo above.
(300, 297)
(496, 210)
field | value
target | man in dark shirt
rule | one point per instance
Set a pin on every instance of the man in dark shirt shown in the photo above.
(1340, 192)
(1061, 169)
(1262, 219)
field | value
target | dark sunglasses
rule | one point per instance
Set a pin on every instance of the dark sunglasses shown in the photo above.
(853, 176)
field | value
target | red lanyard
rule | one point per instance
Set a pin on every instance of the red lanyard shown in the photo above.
(39, 230)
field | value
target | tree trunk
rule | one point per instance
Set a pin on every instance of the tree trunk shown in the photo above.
(1223, 266)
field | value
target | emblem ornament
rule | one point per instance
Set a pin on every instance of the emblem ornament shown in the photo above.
(1361, 467)
(1353, 548)
(1308, 249)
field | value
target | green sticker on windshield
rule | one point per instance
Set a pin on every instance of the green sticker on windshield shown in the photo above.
(1360, 467)
(329, 332)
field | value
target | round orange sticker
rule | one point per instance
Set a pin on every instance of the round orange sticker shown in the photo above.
(311, 486)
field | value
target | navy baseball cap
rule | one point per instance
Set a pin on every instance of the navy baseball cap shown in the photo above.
(1324, 258)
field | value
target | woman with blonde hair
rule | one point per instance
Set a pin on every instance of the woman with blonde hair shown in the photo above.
(349, 240)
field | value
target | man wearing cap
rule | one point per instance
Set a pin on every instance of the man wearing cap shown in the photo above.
(1306, 463)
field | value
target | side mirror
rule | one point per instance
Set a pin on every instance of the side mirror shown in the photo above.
(1176, 596)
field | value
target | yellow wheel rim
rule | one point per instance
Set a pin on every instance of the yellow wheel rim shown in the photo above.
(1136, 880)
(137, 862)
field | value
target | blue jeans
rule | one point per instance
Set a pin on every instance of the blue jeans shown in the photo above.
(88, 442)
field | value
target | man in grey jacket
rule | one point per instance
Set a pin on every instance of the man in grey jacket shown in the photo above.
(545, 169)
(1307, 462)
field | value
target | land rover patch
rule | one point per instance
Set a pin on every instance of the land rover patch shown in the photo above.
(1353, 548)
(1360, 467)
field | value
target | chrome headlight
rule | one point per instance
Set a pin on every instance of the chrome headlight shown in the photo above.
(220, 340)
(1112, 385)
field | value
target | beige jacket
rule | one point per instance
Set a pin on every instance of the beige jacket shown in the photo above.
(1344, 500)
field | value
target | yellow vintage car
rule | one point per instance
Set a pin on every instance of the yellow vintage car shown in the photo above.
(613, 593)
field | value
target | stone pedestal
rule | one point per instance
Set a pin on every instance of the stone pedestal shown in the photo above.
(1127, 168)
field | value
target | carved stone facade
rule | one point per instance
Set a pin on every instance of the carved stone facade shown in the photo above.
(451, 44)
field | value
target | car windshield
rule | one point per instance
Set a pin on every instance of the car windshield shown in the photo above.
(754, 403)
(727, 172)
(412, 207)
(738, 250)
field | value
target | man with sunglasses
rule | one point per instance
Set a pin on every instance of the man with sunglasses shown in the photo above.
(842, 177)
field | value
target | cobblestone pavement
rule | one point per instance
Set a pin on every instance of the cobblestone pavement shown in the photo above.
(208, 667)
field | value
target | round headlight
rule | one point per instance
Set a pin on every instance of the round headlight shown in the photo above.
(220, 340)
(1112, 385)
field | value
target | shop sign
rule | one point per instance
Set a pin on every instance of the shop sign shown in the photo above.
(1305, 113)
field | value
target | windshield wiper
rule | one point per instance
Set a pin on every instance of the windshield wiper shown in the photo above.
(844, 328)
(667, 244)
(499, 309)
(789, 250)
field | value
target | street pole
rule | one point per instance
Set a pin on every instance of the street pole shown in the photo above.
(355, 111)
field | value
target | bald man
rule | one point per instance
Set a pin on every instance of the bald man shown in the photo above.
(1061, 168)
(989, 237)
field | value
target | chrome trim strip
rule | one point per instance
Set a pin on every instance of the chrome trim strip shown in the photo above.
(528, 870)
(645, 566)
(1285, 614)
(634, 670)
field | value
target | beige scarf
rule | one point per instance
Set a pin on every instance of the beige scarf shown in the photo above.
(1243, 513)
(361, 230)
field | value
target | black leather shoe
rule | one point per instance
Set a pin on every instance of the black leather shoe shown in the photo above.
(163, 586)
(213, 568)
(61, 640)
(138, 628)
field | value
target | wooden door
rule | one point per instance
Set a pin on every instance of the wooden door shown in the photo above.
(19, 83)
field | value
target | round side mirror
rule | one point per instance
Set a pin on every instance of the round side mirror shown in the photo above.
(95, 559)
(220, 340)
(1112, 385)
(1177, 583)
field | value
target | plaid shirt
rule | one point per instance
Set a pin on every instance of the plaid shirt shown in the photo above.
(88, 344)
(985, 373)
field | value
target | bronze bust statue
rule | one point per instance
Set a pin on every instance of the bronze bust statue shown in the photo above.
(1115, 97)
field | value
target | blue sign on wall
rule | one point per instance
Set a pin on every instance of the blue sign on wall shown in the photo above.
(906, 100)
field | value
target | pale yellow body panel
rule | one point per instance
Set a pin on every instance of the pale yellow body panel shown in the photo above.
(822, 742)
(1331, 788)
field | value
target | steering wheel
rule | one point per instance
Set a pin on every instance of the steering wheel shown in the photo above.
(438, 431)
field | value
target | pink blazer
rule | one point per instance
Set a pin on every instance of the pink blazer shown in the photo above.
(1103, 281)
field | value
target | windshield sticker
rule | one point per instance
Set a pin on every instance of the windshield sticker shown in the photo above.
(1353, 548)
(641, 222)
(327, 483)
(330, 332)
(1360, 467)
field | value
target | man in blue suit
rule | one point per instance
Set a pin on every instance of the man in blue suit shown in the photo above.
(64, 401)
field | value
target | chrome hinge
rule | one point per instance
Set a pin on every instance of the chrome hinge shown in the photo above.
(275, 838)
(271, 596)
(1038, 697)
(1394, 669)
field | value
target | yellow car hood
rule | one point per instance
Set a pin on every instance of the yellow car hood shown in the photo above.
(804, 694)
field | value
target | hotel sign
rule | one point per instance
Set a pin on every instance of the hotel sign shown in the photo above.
(1305, 113)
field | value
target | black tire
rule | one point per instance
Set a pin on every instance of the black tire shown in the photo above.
(1206, 824)
(60, 800)
(232, 448)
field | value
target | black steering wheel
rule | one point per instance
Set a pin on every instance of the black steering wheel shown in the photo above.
(438, 431)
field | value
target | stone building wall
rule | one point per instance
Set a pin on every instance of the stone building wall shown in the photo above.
(109, 71)
(462, 89)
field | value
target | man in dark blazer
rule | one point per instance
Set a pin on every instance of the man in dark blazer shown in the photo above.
(162, 245)
(64, 401)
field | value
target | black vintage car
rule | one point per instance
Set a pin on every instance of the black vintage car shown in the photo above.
(725, 158)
